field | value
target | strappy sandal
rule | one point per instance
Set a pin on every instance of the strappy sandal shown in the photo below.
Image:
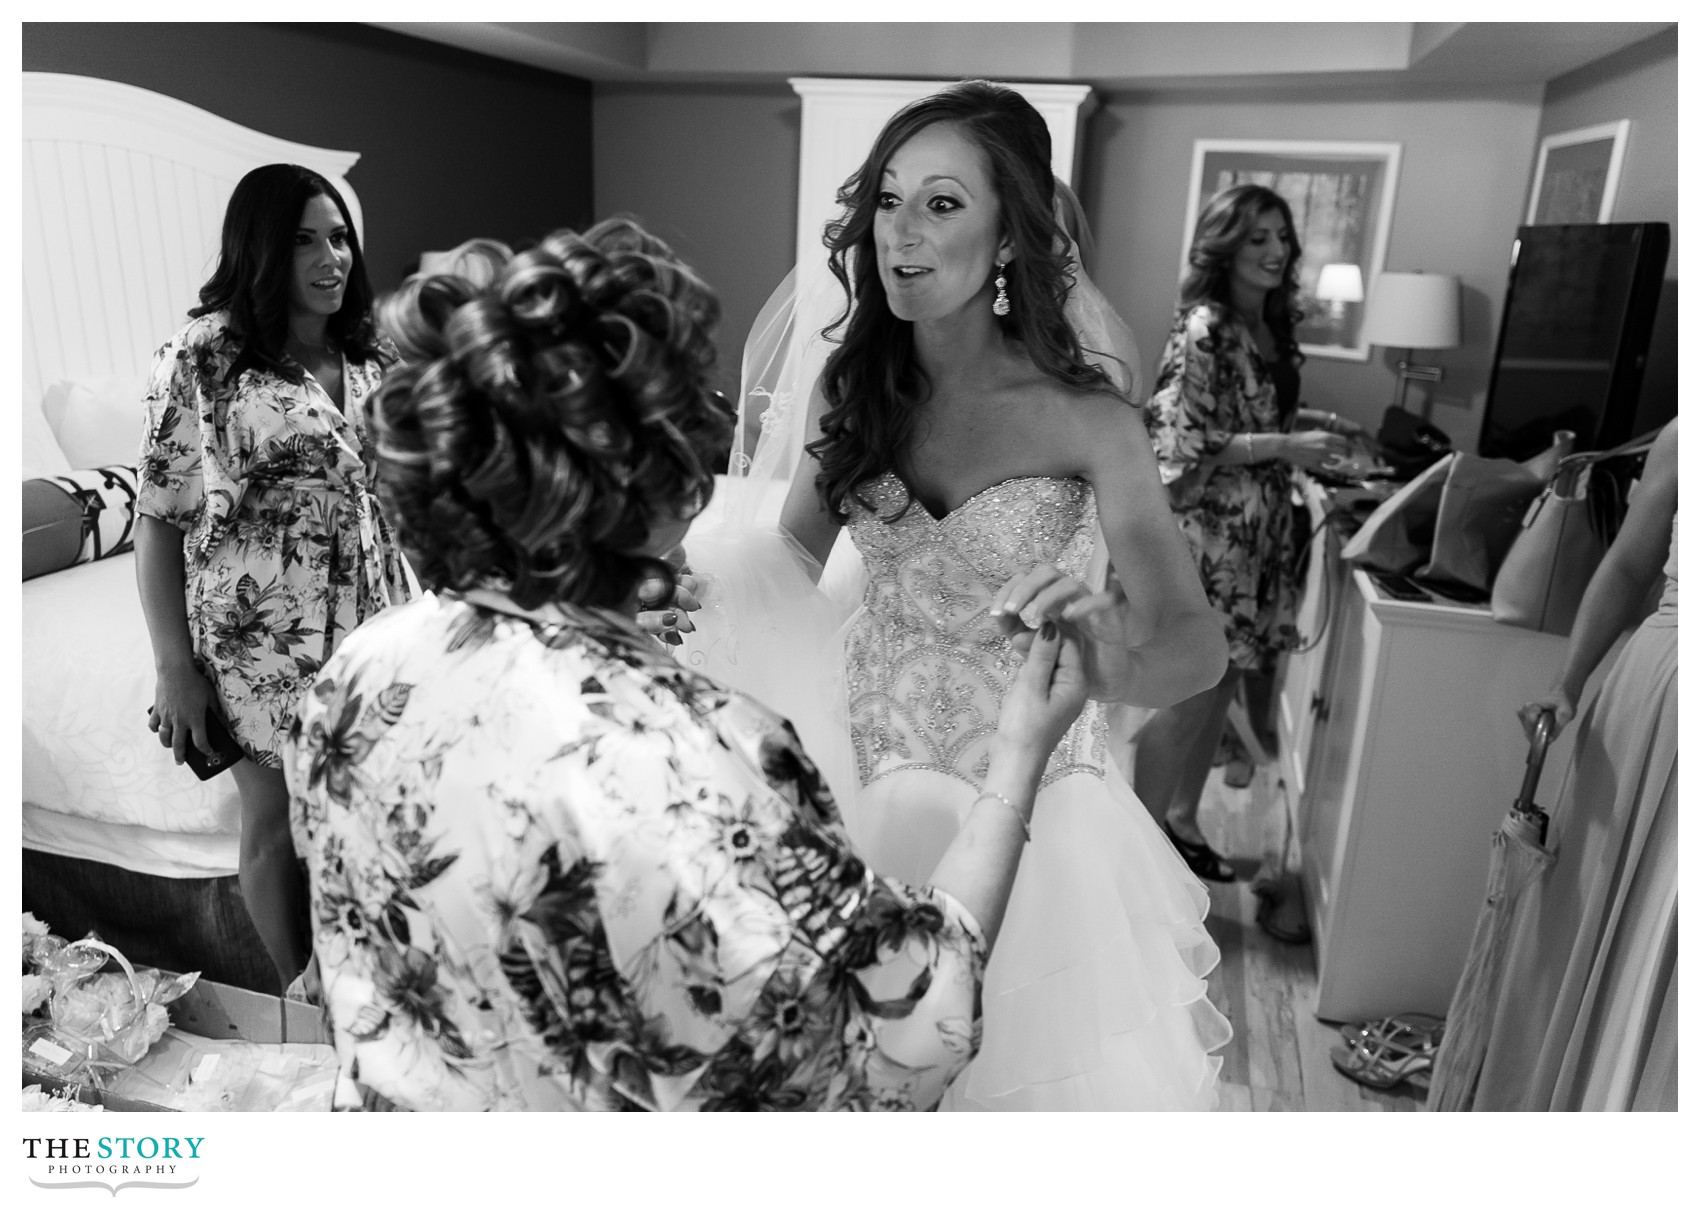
(1411, 1031)
(1201, 860)
(1382, 1066)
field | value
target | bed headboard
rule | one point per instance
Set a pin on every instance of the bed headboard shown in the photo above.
(124, 194)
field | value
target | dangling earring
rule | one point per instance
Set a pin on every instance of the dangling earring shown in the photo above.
(1000, 305)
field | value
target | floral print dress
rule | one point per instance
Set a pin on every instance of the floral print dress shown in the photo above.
(1212, 384)
(284, 548)
(552, 869)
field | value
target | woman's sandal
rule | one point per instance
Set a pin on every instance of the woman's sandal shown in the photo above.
(1413, 1031)
(1382, 1069)
(1200, 860)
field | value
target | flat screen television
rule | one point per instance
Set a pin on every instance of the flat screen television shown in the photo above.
(1573, 338)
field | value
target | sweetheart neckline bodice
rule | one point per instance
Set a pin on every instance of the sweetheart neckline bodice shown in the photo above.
(975, 496)
(926, 666)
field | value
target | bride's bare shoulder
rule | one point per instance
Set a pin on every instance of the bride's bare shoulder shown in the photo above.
(1094, 409)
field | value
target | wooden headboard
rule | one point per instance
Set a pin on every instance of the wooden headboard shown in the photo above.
(124, 193)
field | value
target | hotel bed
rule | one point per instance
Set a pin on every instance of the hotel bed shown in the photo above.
(124, 192)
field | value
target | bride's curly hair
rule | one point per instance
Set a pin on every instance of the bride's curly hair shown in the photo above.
(537, 426)
(871, 381)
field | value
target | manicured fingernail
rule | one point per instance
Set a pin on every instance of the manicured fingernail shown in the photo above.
(670, 618)
(1049, 631)
(999, 608)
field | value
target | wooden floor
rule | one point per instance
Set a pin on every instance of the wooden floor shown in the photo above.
(1278, 1059)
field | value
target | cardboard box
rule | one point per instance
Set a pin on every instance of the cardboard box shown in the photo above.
(218, 1012)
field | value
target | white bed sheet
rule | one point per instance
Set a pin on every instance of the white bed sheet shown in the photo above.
(88, 681)
(133, 848)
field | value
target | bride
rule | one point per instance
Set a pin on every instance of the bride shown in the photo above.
(993, 481)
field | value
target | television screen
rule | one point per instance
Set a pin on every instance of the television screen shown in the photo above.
(1573, 338)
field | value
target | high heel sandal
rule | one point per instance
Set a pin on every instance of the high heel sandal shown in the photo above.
(1410, 1031)
(1378, 1062)
(1201, 860)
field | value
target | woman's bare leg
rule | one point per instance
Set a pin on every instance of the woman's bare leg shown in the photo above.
(1174, 753)
(269, 876)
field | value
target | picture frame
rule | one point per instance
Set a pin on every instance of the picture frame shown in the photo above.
(1341, 194)
(1576, 175)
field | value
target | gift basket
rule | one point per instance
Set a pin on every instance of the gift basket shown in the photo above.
(90, 1027)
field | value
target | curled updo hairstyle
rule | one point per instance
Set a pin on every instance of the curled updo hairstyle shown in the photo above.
(256, 258)
(537, 426)
(871, 381)
(478, 260)
(1223, 227)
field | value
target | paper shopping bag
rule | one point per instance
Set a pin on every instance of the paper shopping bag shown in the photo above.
(1398, 536)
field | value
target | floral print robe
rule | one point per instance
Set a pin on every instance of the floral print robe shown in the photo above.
(284, 548)
(1237, 519)
(552, 869)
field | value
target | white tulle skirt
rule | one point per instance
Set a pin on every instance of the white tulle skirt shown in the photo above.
(1094, 998)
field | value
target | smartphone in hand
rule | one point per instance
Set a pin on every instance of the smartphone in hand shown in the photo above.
(226, 753)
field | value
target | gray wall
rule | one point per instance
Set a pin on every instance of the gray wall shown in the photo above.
(1463, 177)
(1637, 83)
(452, 144)
(713, 171)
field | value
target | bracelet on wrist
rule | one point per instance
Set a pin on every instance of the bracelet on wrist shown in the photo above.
(1026, 834)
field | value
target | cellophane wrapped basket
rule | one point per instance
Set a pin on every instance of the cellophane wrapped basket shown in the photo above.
(95, 1022)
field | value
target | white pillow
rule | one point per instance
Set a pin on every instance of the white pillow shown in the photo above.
(98, 421)
(43, 456)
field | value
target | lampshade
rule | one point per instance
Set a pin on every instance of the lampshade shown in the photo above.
(1340, 282)
(1413, 311)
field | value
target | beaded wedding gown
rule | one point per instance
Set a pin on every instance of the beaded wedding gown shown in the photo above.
(1094, 997)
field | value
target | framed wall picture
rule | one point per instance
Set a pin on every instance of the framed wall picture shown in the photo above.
(1576, 175)
(1341, 195)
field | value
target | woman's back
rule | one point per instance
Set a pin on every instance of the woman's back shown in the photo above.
(557, 871)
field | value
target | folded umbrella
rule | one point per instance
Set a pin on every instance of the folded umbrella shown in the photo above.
(1519, 854)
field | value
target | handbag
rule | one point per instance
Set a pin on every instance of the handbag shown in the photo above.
(1408, 444)
(1398, 536)
(1481, 506)
(1564, 536)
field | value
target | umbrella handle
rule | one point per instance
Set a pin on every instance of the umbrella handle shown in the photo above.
(1537, 758)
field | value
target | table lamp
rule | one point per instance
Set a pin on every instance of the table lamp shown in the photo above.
(1413, 312)
(1340, 283)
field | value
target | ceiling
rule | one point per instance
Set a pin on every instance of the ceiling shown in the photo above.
(1111, 56)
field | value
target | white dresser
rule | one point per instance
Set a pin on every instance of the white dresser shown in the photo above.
(1401, 747)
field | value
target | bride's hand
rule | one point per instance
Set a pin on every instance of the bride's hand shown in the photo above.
(1046, 592)
(1097, 621)
(667, 615)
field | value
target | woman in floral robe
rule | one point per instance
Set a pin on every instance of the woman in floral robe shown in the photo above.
(259, 542)
(551, 868)
(1223, 419)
